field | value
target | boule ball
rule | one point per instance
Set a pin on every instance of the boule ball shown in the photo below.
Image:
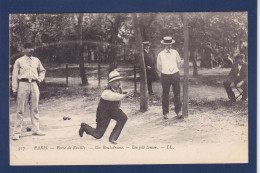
(28, 129)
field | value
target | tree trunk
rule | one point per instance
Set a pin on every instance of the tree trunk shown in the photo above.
(113, 43)
(186, 67)
(83, 75)
(143, 77)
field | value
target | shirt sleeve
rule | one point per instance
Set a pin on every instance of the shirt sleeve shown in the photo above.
(112, 96)
(159, 63)
(15, 76)
(178, 59)
(41, 72)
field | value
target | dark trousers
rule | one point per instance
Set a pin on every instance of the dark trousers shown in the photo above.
(168, 81)
(231, 94)
(149, 85)
(103, 120)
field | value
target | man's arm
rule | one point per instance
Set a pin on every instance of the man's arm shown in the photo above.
(15, 76)
(112, 96)
(159, 63)
(179, 60)
(41, 72)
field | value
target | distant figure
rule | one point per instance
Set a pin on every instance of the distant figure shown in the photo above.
(227, 62)
(28, 72)
(150, 66)
(109, 108)
(208, 55)
(243, 49)
(238, 77)
(168, 61)
(217, 62)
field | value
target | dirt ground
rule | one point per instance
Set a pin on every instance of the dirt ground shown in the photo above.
(215, 131)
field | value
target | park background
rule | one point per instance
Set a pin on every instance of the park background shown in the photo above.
(84, 41)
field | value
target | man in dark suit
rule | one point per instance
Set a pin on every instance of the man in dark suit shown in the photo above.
(208, 55)
(238, 77)
(227, 62)
(150, 66)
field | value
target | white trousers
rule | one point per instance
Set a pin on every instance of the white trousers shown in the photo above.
(27, 93)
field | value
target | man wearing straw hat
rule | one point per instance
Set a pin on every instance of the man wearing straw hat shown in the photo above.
(168, 61)
(109, 108)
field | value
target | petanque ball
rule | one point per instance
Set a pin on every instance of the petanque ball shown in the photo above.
(28, 129)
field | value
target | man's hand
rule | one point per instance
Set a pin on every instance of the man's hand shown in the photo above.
(232, 84)
(239, 84)
(130, 94)
(14, 94)
(38, 81)
(148, 67)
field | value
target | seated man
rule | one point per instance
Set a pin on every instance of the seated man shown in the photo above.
(227, 62)
(216, 61)
(238, 77)
(109, 108)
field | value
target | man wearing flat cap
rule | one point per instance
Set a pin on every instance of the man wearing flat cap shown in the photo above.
(168, 62)
(238, 77)
(149, 65)
(28, 72)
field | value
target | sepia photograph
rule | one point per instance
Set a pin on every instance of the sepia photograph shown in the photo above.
(128, 88)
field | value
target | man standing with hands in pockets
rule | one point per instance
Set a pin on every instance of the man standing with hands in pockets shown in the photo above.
(168, 61)
(28, 72)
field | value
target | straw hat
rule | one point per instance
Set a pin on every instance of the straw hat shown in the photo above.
(167, 40)
(114, 75)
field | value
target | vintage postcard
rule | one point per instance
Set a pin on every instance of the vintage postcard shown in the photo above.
(128, 88)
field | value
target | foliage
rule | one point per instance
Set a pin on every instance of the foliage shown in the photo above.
(110, 37)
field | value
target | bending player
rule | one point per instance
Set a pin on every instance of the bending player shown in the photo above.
(109, 108)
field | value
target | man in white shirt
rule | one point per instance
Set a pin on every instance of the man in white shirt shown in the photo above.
(109, 108)
(168, 62)
(28, 72)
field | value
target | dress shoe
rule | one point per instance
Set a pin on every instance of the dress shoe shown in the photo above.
(112, 141)
(16, 137)
(165, 116)
(82, 129)
(179, 116)
(243, 99)
(39, 133)
(151, 93)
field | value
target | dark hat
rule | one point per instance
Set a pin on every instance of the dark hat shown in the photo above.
(167, 40)
(28, 45)
(146, 43)
(240, 56)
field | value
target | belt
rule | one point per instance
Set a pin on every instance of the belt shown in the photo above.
(28, 80)
(170, 74)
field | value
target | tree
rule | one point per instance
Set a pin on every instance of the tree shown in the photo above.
(83, 75)
(140, 54)
(113, 41)
(186, 66)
